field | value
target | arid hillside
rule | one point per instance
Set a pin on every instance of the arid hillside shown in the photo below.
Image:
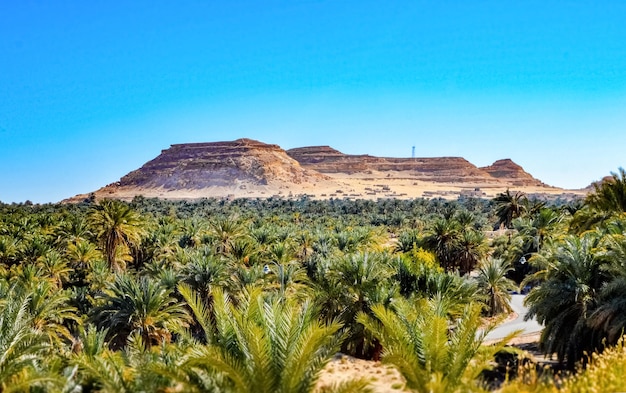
(248, 168)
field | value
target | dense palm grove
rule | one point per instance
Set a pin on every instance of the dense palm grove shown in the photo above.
(258, 295)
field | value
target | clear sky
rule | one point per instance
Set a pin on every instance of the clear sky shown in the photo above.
(90, 90)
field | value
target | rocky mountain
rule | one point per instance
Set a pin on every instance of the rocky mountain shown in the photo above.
(219, 169)
(201, 165)
(511, 173)
(249, 168)
(327, 160)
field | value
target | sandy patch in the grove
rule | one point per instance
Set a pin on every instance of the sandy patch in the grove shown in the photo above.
(382, 377)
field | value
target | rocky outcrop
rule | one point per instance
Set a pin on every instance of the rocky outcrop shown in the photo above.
(511, 173)
(219, 164)
(329, 161)
(249, 168)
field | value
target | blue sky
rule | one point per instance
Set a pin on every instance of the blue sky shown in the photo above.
(92, 90)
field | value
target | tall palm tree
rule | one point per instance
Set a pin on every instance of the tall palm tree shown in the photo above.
(139, 305)
(610, 314)
(116, 226)
(262, 345)
(607, 200)
(430, 353)
(441, 238)
(494, 285)
(567, 297)
(510, 206)
(365, 279)
(470, 247)
(609, 195)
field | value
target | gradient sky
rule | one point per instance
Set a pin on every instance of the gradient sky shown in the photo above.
(90, 90)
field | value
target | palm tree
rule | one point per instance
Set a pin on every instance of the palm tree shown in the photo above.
(609, 195)
(81, 255)
(52, 313)
(432, 354)
(22, 347)
(607, 200)
(130, 370)
(131, 305)
(568, 296)
(441, 238)
(494, 285)
(192, 232)
(610, 314)
(365, 278)
(470, 247)
(262, 345)
(510, 206)
(407, 240)
(224, 231)
(55, 267)
(204, 272)
(117, 227)
(8, 250)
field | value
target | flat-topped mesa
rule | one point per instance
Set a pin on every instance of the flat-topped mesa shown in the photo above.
(247, 168)
(219, 164)
(512, 173)
(436, 169)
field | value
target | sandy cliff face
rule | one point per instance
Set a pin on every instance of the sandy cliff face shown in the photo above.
(511, 173)
(249, 168)
(435, 169)
(241, 168)
(201, 165)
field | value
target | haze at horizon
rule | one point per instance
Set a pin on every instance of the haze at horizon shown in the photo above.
(93, 91)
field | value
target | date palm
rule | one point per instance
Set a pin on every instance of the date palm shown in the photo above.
(365, 280)
(470, 248)
(262, 345)
(204, 272)
(441, 238)
(117, 227)
(610, 314)
(567, 297)
(610, 195)
(139, 305)
(607, 200)
(23, 348)
(431, 353)
(52, 313)
(494, 285)
(224, 231)
(510, 206)
(8, 250)
(129, 370)
(55, 267)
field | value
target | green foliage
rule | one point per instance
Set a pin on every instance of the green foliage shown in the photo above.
(430, 353)
(327, 262)
(567, 297)
(510, 206)
(118, 228)
(263, 344)
(142, 306)
(495, 286)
